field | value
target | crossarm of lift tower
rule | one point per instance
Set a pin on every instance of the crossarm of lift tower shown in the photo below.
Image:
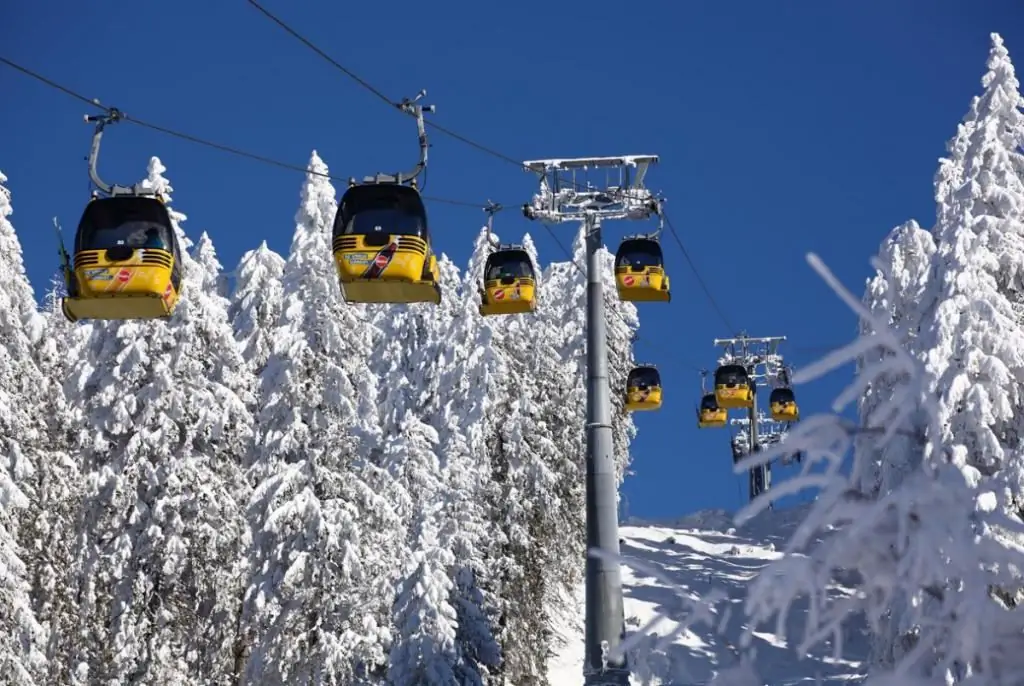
(752, 352)
(621, 196)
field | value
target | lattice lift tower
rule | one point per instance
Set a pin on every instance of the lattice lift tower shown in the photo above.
(766, 369)
(562, 199)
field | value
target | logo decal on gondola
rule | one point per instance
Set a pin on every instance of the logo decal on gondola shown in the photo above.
(381, 261)
(100, 274)
(516, 294)
(499, 294)
(628, 280)
(124, 276)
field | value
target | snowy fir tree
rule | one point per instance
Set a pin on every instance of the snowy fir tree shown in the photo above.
(24, 470)
(166, 423)
(256, 303)
(311, 604)
(927, 527)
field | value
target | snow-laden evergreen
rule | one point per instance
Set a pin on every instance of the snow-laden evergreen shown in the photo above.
(166, 422)
(24, 471)
(256, 303)
(311, 605)
(894, 295)
(928, 528)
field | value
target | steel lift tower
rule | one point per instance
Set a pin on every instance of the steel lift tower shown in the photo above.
(764, 364)
(562, 198)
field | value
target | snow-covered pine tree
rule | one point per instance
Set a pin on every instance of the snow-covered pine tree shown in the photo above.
(24, 571)
(918, 541)
(894, 295)
(935, 550)
(58, 488)
(312, 604)
(424, 650)
(469, 376)
(256, 303)
(166, 421)
(972, 337)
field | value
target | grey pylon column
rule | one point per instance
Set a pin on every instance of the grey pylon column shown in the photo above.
(605, 620)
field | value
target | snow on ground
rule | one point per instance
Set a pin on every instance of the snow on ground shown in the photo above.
(700, 553)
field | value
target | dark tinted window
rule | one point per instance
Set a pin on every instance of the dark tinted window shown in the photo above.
(731, 374)
(134, 222)
(708, 402)
(644, 377)
(511, 263)
(387, 209)
(639, 254)
(782, 395)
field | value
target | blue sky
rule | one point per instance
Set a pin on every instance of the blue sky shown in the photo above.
(783, 127)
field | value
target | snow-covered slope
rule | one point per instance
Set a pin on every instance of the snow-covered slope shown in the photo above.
(699, 554)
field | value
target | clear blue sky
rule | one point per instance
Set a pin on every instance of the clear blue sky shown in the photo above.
(782, 127)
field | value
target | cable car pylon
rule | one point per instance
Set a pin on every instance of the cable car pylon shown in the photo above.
(746, 364)
(621, 198)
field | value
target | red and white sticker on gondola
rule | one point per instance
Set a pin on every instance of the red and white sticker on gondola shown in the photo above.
(124, 276)
(499, 294)
(381, 261)
(628, 280)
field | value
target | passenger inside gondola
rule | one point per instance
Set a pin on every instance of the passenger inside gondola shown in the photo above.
(507, 268)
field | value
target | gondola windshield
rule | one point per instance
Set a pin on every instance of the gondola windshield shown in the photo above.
(130, 222)
(709, 402)
(730, 374)
(382, 208)
(639, 254)
(508, 264)
(782, 395)
(644, 377)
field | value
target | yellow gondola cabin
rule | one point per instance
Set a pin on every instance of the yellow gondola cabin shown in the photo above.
(643, 389)
(381, 237)
(126, 262)
(709, 414)
(782, 403)
(381, 245)
(640, 271)
(510, 281)
(733, 389)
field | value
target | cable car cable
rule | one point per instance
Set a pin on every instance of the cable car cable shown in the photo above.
(200, 141)
(379, 94)
(700, 279)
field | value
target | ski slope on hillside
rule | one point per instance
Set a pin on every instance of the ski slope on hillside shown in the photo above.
(699, 554)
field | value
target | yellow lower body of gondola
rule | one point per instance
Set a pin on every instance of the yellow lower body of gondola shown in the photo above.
(641, 399)
(785, 412)
(733, 398)
(712, 419)
(401, 280)
(643, 286)
(118, 292)
(514, 298)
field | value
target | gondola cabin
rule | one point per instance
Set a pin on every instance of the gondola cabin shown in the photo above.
(127, 261)
(643, 389)
(782, 403)
(710, 415)
(509, 285)
(640, 271)
(733, 389)
(381, 245)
